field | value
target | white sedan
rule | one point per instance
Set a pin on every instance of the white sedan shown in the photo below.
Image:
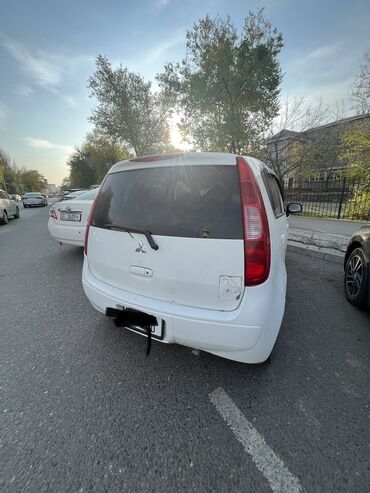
(67, 221)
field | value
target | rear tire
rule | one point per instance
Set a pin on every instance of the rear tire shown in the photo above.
(5, 218)
(17, 214)
(356, 278)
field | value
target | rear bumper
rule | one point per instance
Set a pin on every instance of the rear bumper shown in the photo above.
(247, 334)
(69, 234)
(33, 204)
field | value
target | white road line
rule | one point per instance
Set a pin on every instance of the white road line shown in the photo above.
(281, 480)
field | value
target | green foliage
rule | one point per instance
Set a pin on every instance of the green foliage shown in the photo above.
(128, 111)
(30, 181)
(355, 152)
(89, 163)
(19, 181)
(227, 86)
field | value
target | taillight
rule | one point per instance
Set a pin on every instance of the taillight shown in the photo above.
(89, 219)
(255, 227)
(88, 224)
(53, 214)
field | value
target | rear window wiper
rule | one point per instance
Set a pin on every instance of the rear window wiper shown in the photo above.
(133, 229)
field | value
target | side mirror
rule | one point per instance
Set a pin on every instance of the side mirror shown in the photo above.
(293, 208)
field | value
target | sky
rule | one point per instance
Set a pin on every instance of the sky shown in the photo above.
(48, 50)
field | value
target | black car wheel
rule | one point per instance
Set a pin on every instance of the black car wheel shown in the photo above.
(356, 278)
(5, 218)
(16, 216)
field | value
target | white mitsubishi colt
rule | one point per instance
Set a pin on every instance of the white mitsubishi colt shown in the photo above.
(190, 249)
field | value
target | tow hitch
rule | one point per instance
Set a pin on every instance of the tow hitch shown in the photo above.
(134, 320)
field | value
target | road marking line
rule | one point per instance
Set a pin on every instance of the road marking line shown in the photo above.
(281, 480)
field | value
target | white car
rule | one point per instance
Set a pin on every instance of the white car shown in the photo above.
(190, 249)
(8, 208)
(32, 199)
(67, 219)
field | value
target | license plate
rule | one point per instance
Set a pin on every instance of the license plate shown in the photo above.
(157, 331)
(70, 216)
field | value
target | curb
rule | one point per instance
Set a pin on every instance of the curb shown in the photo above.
(329, 241)
(337, 258)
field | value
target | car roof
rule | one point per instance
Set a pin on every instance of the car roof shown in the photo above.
(184, 159)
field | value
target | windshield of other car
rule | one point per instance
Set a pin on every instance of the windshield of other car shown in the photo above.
(32, 194)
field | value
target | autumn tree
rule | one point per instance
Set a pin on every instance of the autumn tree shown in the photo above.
(227, 86)
(355, 152)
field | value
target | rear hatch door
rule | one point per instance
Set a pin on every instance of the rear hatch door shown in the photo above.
(191, 207)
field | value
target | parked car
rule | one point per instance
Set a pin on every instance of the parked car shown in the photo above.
(190, 249)
(8, 208)
(357, 268)
(68, 219)
(73, 195)
(16, 197)
(31, 199)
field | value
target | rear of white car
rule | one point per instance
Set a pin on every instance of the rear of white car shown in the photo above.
(191, 250)
(68, 219)
(33, 199)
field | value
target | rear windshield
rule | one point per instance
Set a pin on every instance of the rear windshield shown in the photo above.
(187, 201)
(32, 194)
(90, 195)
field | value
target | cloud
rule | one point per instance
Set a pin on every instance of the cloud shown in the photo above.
(70, 100)
(322, 52)
(45, 144)
(46, 69)
(161, 4)
(4, 112)
(23, 90)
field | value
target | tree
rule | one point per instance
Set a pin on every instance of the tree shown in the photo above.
(66, 183)
(355, 152)
(361, 87)
(102, 153)
(293, 145)
(90, 162)
(128, 110)
(227, 86)
(80, 175)
(31, 181)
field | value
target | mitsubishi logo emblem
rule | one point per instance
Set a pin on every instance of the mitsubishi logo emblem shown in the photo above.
(140, 248)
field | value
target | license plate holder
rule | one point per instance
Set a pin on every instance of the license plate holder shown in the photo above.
(137, 321)
(70, 216)
(157, 331)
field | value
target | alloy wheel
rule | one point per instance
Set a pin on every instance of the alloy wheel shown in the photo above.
(354, 275)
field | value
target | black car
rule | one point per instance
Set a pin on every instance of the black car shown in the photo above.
(357, 268)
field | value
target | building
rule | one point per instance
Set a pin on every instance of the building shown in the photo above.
(313, 153)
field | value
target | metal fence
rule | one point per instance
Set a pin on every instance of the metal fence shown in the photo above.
(343, 198)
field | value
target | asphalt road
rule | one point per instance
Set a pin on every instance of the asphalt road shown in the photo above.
(82, 409)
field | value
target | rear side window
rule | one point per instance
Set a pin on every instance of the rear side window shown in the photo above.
(184, 201)
(274, 193)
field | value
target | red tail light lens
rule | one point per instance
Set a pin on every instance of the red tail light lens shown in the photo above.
(257, 250)
(88, 224)
(53, 214)
(91, 214)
